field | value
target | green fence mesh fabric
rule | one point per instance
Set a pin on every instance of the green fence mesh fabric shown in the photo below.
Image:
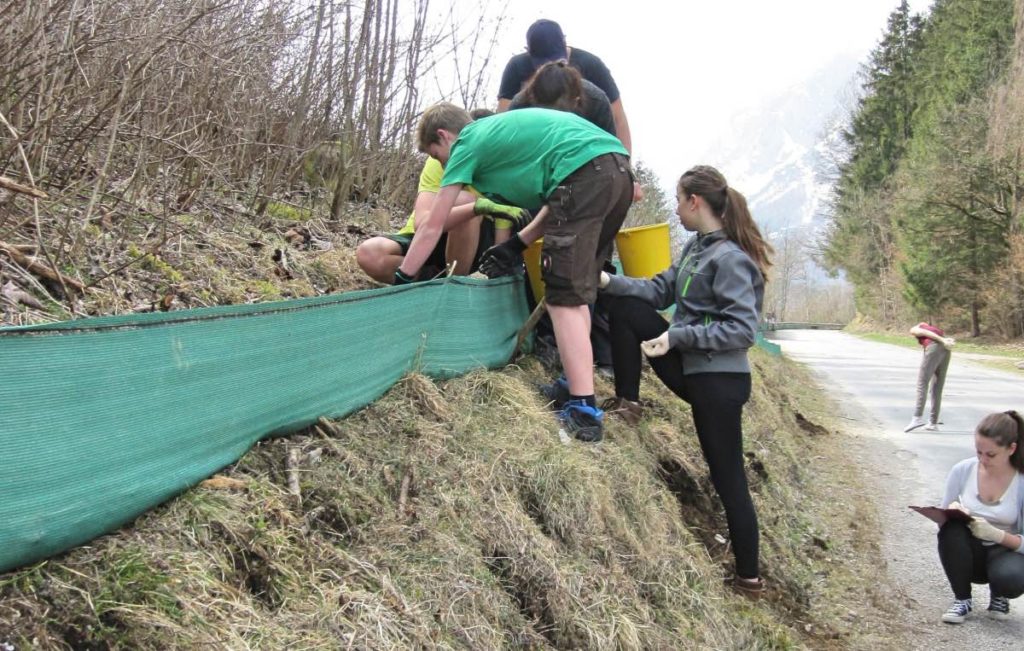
(102, 419)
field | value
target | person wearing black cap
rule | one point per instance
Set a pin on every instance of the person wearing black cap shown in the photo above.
(545, 42)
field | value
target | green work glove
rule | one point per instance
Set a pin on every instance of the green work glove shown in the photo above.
(519, 217)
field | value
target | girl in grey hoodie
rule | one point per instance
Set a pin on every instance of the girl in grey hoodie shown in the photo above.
(717, 287)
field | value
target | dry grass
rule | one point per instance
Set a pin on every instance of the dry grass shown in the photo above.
(448, 515)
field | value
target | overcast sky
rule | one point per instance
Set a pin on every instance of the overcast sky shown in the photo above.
(684, 69)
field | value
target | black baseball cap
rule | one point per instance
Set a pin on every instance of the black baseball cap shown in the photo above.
(545, 42)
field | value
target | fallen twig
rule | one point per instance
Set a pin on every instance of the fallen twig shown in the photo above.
(30, 264)
(403, 492)
(531, 322)
(329, 426)
(14, 186)
(292, 470)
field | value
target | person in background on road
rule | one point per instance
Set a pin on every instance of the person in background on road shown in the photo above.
(934, 363)
(474, 224)
(717, 287)
(989, 548)
(579, 179)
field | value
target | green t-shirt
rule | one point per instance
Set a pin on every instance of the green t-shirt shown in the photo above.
(430, 181)
(521, 156)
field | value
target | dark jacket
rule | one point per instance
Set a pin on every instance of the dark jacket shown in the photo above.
(717, 291)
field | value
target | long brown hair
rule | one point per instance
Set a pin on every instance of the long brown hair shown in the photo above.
(731, 207)
(1005, 427)
(555, 85)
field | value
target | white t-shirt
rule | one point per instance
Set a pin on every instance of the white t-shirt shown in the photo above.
(1007, 513)
(1003, 513)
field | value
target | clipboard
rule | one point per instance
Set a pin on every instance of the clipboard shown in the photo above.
(940, 515)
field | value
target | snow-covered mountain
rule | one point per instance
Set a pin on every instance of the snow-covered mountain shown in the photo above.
(777, 154)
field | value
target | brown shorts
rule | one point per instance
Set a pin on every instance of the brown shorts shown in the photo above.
(586, 211)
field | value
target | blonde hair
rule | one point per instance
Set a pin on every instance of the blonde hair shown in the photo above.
(443, 115)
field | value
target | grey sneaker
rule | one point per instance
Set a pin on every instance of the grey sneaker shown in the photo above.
(915, 422)
(581, 421)
(958, 611)
(998, 607)
(556, 393)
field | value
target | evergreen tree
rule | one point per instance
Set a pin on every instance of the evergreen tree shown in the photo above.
(923, 208)
(861, 237)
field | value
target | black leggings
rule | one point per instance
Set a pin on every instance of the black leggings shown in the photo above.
(966, 560)
(716, 400)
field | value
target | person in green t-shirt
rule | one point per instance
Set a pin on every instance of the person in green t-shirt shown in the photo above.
(474, 224)
(579, 179)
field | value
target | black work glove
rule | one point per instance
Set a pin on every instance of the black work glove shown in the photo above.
(402, 278)
(503, 259)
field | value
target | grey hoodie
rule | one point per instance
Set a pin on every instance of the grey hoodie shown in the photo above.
(717, 290)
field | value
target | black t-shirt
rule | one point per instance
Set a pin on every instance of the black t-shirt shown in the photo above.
(520, 68)
(596, 108)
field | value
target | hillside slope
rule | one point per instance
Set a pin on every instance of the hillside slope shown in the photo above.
(448, 515)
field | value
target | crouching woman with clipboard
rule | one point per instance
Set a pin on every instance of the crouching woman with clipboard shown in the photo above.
(988, 547)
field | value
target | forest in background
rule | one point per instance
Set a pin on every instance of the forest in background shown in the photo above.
(166, 138)
(927, 213)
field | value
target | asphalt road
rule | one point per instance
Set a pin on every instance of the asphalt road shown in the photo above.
(874, 386)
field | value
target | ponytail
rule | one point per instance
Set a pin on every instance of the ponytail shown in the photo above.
(1017, 458)
(731, 207)
(1005, 428)
(555, 85)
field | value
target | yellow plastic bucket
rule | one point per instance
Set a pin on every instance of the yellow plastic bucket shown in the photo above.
(531, 256)
(644, 250)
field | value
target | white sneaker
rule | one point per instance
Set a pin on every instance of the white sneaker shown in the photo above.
(915, 422)
(931, 427)
(958, 611)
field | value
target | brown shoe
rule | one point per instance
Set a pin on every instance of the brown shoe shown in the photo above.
(749, 588)
(627, 410)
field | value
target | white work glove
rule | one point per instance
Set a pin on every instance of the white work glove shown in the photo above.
(982, 530)
(656, 347)
(604, 280)
(948, 342)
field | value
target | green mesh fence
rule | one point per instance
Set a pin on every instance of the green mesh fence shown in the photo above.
(102, 419)
(770, 347)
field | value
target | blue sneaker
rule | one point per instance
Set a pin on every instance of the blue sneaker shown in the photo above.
(581, 421)
(556, 393)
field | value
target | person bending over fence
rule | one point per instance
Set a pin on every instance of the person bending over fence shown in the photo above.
(474, 224)
(578, 177)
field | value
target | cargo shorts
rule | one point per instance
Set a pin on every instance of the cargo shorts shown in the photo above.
(586, 211)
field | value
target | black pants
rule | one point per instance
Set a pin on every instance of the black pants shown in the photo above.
(716, 400)
(966, 560)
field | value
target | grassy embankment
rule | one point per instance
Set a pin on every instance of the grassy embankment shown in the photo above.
(448, 515)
